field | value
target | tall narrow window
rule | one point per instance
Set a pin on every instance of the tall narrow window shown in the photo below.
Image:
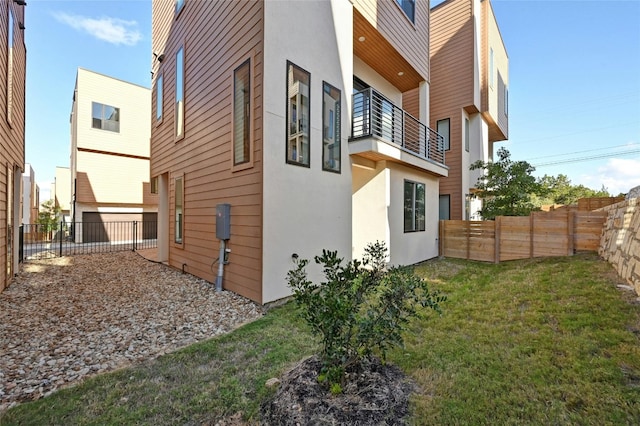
(298, 82)
(179, 104)
(414, 206)
(159, 97)
(179, 209)
(506, 100)
(105, 117)
(442, 127)
(179, 5)
(409, 7)
(491, 70)
(241, 114)
(445, 207)
(331, 128)
(10, 66)
(466, 134)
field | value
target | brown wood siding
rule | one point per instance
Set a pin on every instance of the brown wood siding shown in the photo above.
(410, 39)
(452, 86)
(12, 135)
(217, 37)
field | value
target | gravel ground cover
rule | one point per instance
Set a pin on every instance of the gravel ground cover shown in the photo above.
(68, 318)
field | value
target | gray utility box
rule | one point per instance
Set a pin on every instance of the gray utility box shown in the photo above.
(223, 221)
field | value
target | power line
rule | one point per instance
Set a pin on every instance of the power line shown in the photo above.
(594, 157)
(587, 150)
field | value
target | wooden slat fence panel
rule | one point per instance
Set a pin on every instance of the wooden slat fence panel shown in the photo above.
(542, 234)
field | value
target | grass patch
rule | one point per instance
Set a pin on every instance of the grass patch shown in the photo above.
(549, 341)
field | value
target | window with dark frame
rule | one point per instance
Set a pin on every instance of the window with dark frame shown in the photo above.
(179, 101)
(298, 83)
(159, 97)
(179, 209)
(241, 113)
(10, 27)
(466, 134)
(414, 206)
(444, 207)
(443, 128)
(105, 117)
(331, 124)
(409, 8)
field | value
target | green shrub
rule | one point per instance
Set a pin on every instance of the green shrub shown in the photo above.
(361, 308)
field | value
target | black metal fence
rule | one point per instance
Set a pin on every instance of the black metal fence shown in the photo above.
(66, 239)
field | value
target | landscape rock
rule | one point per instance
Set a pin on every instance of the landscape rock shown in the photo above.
(65, 319)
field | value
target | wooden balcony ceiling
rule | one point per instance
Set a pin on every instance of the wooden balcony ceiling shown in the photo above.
(380, 55)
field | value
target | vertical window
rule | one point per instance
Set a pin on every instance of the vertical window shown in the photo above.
(414, 206)
(179, 104)
(105, 117)
(159, 97)
(331, 124)
(179, 5)
(506, 100)
(298, 82)
(409, 7)
(466, 134)
(10, 66)
(241, 114)
(442, 127)
(444, 207)
(179, 209)
(491, 71)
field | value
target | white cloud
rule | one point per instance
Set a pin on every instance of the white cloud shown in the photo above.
(618, 175)
(112, 30)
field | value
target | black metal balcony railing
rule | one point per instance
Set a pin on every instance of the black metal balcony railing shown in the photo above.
(375, 115)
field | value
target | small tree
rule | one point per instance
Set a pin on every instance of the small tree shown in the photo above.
(361, 308)
(506, 186)
(48, 216)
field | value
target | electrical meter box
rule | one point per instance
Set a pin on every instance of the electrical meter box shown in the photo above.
(223, 221)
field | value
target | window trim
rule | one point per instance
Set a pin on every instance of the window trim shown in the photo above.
(336, 124)
(447, 141)
(308, 130)
(249, 162)
(178, 242)
(159, 104)
(179, 136)
(415, 227)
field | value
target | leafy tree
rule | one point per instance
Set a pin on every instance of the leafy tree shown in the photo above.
(506, 186)
(361, 308)
(559, 190)
(48, 216)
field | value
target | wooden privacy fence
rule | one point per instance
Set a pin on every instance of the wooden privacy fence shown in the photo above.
(559, 233)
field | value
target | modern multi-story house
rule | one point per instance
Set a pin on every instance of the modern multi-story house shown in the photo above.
(109, 173)
(287, 114)
(469, 96)
(13, 58)
(30, 196)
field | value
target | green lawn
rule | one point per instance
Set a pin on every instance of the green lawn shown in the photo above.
(548, 341)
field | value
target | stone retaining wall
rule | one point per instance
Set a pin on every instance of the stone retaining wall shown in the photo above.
(620, 241)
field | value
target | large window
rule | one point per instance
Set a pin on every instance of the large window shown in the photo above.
(414, 206)
(105, 117)
(409, 7)
(179, 209)
(159, 97)
(10, 66)
(331, 128)
(442, 127)
(298, 82)
(179, 104)
(241, 114)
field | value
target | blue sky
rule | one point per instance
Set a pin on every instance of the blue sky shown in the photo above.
(574, 80)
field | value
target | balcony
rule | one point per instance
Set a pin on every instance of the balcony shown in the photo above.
(382, 131)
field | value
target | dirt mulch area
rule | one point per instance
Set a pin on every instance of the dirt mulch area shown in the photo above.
(374, 394)
(68, 318)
